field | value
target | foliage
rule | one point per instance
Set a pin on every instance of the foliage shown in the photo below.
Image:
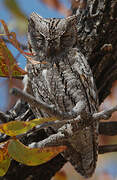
(14, 149)
(8, 65)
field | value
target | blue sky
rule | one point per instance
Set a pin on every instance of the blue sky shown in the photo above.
(27, 6)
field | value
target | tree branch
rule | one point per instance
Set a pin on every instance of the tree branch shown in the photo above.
(22, 46)
(107, 148)
(108, 128)
(50, 109)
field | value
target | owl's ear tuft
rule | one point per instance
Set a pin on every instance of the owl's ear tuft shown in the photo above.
(36, 17)
(34, 21)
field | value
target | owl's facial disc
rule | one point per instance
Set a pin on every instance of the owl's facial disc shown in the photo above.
(50, 36)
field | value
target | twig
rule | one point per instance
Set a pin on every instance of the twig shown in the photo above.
(107, 148)
(106, 114)
(53, 140)
(24, 47)
(4, 117)
(108, 128)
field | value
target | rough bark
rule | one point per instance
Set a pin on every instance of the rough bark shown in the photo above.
(97, 37)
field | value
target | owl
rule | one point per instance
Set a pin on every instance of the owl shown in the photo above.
(62, 77)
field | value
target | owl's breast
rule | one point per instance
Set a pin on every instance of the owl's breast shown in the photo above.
(58, 84)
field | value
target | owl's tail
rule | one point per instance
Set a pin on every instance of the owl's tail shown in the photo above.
(82, 163)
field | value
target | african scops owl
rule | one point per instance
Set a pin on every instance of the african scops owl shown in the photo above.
(63, 77)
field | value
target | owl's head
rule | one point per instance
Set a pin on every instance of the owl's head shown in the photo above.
(50, 36)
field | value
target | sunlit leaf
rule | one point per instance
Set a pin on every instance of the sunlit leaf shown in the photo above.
(8, 65)
(4, 158)
(14, 128)
(32, 157)
(57, 5)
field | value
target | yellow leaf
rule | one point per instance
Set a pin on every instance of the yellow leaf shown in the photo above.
(4, 158)
(39, 121)
(8, 65)
(32, 157)
(4, 165)
(14, 128)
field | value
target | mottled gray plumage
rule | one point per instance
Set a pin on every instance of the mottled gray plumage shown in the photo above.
(63, 77)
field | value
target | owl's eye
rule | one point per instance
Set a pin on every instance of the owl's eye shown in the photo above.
(66, 40)
(65, 37)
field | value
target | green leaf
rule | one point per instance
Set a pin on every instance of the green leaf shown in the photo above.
(32, 157)
(4, 165)
(4, 158)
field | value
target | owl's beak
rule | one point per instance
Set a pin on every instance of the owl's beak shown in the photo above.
(51, 48)
(52, 51)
